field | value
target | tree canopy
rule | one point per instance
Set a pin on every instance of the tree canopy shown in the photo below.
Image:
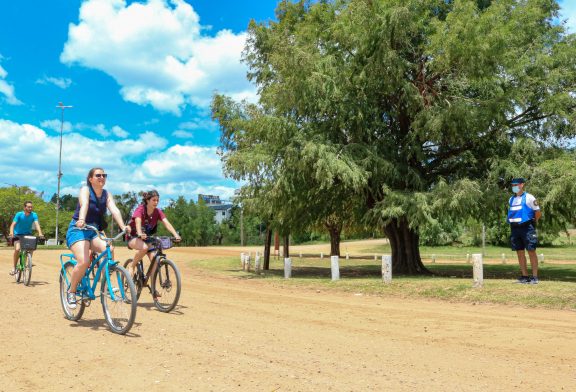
(406, 104)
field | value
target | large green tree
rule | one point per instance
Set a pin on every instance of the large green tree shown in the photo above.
(407, 102)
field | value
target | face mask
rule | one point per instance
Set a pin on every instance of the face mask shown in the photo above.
(515, 189)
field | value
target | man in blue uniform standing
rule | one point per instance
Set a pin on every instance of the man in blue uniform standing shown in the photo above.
(22, 225)
(523, 213)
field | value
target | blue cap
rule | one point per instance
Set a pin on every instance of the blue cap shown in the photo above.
(518, 180)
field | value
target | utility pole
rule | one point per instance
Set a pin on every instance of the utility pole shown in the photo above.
(62, 108)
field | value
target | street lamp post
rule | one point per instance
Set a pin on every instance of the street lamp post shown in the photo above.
(62, 108)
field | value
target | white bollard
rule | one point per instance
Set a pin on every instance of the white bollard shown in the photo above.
(478, 270)
(467, 258)
(375, 257)
(541, 258)
(433, 258)
(347, 256)
(300, 254)
(242, 259)
(257, 263)
(503, 258)
(334, 267)
(321, 255)
(387, 269)
(287, 268)
(247, 262)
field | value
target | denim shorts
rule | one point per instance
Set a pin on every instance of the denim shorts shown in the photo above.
(75, 234)
(524, 237)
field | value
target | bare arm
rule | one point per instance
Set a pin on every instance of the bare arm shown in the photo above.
(12, 229)
(138, 222)
(170, 228)
(38, 229)
(537, 215)
(83, 199)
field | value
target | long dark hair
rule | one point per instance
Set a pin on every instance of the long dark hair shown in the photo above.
(146, 196)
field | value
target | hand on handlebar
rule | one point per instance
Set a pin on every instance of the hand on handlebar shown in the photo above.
(177, 239)
(143, 236)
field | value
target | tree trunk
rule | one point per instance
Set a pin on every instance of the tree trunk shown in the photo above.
(267, 245)
(404, 242)
(286, 246)
(335, 230)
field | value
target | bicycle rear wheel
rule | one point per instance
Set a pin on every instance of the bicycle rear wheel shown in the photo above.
(27, 272)
(137, 279)
(167, 283)
(69, 313)
(120, 311)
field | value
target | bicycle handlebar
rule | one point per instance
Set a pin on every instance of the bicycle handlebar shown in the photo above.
(101, 236)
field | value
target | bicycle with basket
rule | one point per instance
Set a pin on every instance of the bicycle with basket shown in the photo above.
(28, 244)
(166, 280)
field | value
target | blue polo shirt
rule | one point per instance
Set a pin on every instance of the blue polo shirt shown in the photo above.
(24, 223)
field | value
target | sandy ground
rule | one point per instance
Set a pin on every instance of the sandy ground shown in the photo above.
(232, 334)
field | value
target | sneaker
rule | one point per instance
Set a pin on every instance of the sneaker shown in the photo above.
(534, 280)
(71, 299)
(523, 280)
(13, 272)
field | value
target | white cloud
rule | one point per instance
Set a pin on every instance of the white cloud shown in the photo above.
(63, 83)
(55, 125)
(140, 163)
(200, 124)
(99, 129)
(198, 163)
(116, 130)
(182, 134)
(7, 89)
(156, 51)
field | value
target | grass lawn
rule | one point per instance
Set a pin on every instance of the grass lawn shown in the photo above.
(451, 282)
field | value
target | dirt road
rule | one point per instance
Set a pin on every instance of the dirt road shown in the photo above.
(248, 335)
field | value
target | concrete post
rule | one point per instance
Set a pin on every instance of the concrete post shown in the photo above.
(387, 269)
(257, 263)
(335, 268)
(287, 268)
(478, 270)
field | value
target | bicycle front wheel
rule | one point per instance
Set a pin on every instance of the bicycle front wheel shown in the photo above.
(118, 296)
(27, 272)
(65, 278)
(166, 282)
(18, 274)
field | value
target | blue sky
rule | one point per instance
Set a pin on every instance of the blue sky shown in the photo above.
(139, 75)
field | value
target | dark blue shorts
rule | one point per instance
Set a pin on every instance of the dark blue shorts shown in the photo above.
(74, 234)
(524, 237)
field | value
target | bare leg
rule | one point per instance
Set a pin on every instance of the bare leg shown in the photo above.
(16, 254)
(141, 249)
(533, 262)
(522, 262)
(81, 250)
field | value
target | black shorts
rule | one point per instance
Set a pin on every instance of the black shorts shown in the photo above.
(524, 237)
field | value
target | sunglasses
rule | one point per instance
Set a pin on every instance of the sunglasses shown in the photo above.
(100, 175)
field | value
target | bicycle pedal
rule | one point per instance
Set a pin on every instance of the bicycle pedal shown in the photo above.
(86, 302)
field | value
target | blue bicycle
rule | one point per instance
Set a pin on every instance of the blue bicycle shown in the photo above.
(117, 291)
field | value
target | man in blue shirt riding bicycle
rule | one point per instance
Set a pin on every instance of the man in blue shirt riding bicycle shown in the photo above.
(22, 225)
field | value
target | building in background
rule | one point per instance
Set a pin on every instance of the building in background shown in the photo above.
(223, 210)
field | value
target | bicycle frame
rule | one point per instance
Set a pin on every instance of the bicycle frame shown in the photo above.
(85, 289)
(22, 259)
